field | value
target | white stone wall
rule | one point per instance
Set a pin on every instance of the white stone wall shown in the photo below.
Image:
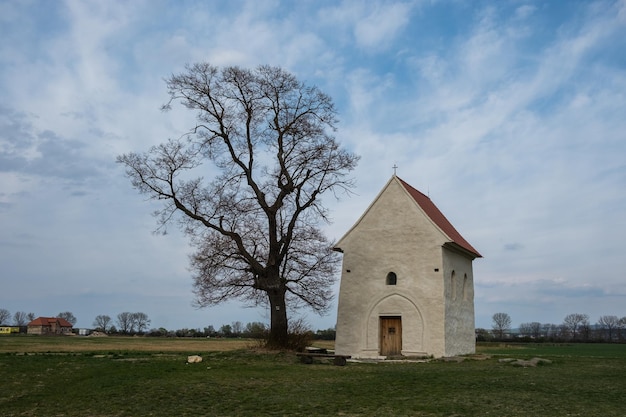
(459, 291)
(393, 235)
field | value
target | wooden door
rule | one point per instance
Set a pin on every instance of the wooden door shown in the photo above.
(390, 336)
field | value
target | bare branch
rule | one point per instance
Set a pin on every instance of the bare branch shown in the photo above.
(255, 225)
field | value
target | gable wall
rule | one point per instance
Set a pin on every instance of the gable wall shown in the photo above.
(393, 235)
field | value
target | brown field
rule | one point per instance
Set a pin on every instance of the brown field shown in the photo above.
(117, 343)
(51, 344)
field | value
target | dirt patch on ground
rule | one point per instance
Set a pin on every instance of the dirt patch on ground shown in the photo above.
(531, 363)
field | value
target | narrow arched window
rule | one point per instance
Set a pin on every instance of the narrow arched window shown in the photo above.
(453, 286)
(392, 278)
(465, 288)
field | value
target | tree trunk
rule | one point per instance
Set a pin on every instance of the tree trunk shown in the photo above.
(278, 337)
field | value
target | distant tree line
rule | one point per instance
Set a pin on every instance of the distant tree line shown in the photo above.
(138, 323)
(251, 330)
(21, 318)
(576, 327)
(127, 323)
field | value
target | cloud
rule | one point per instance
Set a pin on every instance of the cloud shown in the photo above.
(380, 26)
(513, 246)
(41, 154)
(16, 137)
(509, 115)
(373, 26)
(524, 11)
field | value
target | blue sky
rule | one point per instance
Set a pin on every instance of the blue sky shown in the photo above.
(511, 115)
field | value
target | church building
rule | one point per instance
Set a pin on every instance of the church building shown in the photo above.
(407, 286)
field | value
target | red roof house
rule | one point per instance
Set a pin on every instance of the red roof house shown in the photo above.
(49, 326)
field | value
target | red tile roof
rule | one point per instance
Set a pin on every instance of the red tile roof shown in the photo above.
(48, 321)
(438, 218)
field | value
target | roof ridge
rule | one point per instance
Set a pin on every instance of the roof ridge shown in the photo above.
(46, 320)
(440, 220)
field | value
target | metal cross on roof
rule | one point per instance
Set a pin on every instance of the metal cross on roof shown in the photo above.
(395, 167)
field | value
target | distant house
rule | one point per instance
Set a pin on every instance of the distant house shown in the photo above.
(49, 326)
(407, 285)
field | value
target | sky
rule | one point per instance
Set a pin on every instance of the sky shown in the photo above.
(510, 115)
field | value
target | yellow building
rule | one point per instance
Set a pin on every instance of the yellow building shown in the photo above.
(9, 329)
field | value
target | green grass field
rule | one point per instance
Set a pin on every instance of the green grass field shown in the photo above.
(75, 376)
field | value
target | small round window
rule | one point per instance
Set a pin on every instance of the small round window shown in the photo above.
(392, 278)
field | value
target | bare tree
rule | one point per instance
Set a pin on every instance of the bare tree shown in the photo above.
(574, 322)
(237, 328)
(102, 322)
(69, 316)
(501, 324)
(483, 335)
(532, 330)
(210, 331)
(609, 325)
(226, 330)
(620, 329)
(535, 329)
(5, 315)
(255, 224)
(585, 330)
(550, 330)
(525, 330)
(30, 317)
(125, 322)
(20, 318)
(140, 321)
(255, 330)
